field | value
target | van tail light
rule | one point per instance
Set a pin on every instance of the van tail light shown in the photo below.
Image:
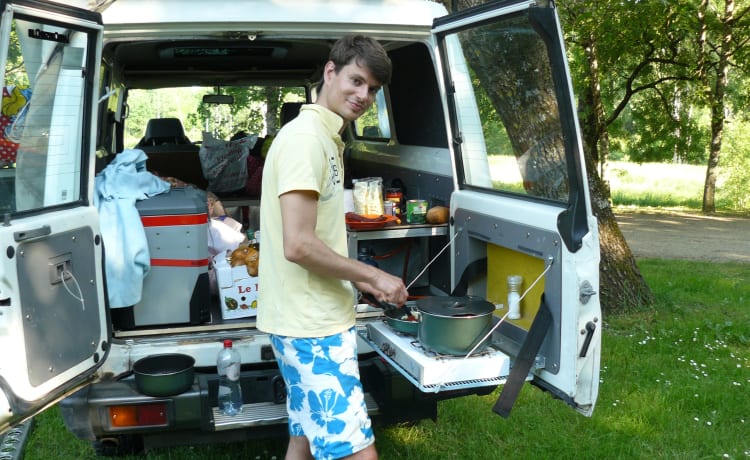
(138, 415)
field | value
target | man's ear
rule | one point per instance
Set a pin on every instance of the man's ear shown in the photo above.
(329, 71)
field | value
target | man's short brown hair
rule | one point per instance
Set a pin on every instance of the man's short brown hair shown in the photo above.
(366, 52)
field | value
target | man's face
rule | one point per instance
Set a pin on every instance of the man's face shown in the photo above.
(350, 92)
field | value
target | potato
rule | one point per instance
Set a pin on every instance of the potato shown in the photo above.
(437, 215)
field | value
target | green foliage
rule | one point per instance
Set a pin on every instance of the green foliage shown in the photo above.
(166, 102)
(246, 114)
(657, 78)
(15, 73)
(733, 191)
(644, 68)
(648, 135)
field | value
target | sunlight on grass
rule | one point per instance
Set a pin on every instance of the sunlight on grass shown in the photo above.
(656, 184)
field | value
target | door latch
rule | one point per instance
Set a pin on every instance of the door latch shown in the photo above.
(60, 268)
(589, 331)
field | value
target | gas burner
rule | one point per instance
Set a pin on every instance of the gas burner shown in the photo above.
(429, 368)
(417, 345)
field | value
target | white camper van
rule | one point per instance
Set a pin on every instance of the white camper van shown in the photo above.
(104, 266)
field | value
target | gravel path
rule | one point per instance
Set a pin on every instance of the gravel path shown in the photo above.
(687, 236)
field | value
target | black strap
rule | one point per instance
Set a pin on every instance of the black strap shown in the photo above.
(524, 360)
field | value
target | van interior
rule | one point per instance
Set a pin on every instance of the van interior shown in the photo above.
(175, 99)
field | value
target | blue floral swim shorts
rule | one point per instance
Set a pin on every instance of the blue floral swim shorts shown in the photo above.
(325, 400)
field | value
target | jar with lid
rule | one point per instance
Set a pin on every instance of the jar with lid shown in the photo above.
(514, 296)
(396, 196)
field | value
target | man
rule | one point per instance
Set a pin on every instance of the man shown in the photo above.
(306, 299)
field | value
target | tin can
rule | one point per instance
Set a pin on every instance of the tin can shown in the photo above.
(416, 211)
(388, 208)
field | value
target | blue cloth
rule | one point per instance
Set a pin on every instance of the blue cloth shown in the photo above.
(116, 189)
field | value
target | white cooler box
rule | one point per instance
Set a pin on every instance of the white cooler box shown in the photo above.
(176, 289)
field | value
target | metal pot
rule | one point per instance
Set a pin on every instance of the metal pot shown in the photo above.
(393, 318)
(164, 375)
(454, 325)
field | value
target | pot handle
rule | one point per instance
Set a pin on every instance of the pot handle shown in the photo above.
(387, 306)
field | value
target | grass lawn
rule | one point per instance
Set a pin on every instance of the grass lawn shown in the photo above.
(656, 185)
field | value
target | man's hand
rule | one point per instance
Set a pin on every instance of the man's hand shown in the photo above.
(384, 287)
(302, 246)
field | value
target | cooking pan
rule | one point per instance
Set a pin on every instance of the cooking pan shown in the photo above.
(395, 319)
(454, 325)
(164, 375)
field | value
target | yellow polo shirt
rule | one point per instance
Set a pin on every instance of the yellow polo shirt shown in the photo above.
(307, 154)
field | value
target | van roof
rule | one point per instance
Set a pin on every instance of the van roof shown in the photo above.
(365, 16)
(234, 42)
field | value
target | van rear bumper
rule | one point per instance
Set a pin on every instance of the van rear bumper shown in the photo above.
(192, 417)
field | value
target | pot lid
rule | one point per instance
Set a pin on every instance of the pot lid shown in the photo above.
(462, 306)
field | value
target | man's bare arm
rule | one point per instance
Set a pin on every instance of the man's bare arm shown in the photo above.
(303, 247)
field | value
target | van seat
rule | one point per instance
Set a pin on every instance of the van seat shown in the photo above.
(161, 131)
(170, 153)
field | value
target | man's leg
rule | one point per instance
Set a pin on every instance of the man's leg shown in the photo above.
(368, 453)
(299, 449)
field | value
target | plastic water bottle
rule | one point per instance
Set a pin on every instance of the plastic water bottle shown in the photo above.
(230, 392)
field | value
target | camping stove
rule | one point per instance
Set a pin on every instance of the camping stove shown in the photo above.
(435, 372)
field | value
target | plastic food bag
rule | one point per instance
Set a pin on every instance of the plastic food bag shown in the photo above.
(225, 163)
(368, 195)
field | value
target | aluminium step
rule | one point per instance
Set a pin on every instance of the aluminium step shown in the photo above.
(266, 414)
(13, 442)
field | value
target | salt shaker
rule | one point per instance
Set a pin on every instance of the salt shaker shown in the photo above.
(514, 296)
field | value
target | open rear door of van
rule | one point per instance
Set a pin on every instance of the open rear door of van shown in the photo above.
(53, 323)
(522, 206)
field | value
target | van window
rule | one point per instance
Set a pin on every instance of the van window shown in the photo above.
(374, 124)
(416, 104)
(41, 140)
(251, 109)
(520, 133)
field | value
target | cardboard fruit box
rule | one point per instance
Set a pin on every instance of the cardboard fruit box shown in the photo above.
(238, 291)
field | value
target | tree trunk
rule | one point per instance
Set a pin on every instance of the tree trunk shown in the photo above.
(273, 103)
(717, 108)
(621, 284)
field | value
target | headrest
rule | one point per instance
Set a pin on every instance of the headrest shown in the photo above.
(164, 130)
(289, 111)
